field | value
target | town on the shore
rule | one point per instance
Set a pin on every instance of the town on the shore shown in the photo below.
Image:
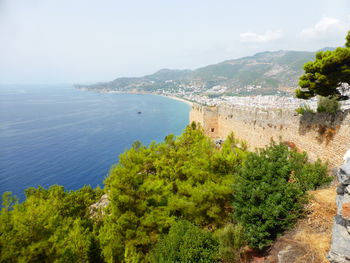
(215, 96)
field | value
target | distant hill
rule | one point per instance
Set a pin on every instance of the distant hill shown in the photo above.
(262, 73)
(327, 49)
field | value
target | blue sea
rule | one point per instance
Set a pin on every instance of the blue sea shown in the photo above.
(61, 135)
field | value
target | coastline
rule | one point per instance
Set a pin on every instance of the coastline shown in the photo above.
(166, 96)
(175, 98)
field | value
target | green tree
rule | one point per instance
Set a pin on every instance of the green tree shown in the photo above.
(153, 186)
(186, 243)
(347, 44)
(269, 191)
(327, 75)
(49, 226)
(328, 104)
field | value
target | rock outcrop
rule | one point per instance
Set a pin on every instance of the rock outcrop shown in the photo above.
(340, 249)
(97, 210)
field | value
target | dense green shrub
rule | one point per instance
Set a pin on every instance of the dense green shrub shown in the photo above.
(269, 191)
(186, 243)
(304, 109)
(231, 239)
(328, 104)
(307, 175)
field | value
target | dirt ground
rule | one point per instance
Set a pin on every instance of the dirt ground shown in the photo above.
(309, 240)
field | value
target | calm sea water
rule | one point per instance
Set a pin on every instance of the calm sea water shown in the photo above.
(60, 135)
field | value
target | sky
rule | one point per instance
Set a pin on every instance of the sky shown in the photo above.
(87, 41)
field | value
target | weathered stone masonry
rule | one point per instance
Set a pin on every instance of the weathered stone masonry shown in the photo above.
(321, 135)
(340, 247)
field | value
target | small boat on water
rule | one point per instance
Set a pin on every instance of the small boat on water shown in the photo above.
(139, 112)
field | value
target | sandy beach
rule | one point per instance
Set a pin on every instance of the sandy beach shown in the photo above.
(166, 96)
(177, 98)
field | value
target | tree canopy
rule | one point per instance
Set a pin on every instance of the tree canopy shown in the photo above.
(49, 226)
(186, 243)
(269, 191)
(328, 75)
(185, 177)
(186, 193)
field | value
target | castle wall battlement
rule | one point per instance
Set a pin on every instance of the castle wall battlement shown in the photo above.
(321, 135)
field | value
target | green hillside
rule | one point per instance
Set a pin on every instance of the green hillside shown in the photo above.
(266, 71)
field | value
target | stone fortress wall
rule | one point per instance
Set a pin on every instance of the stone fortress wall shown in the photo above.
(321, 135)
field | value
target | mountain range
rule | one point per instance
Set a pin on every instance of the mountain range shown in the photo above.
(268, 72)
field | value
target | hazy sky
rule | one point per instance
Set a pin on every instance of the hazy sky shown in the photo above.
(70, 41)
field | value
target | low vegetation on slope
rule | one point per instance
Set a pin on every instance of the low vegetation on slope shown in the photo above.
(310, 239)
(183, 194)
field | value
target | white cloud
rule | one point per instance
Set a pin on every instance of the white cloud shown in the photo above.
(250, 37)
(327, 28)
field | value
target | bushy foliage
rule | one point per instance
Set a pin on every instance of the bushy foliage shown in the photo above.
(304, 109)
(328, 104)
(186, 243)
(231, 239)
(152, 186)
(326, 74)
(269, 191)
(49, 226)
(150, 189)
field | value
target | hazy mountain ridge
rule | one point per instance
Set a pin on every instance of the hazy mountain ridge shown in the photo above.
(261, 73)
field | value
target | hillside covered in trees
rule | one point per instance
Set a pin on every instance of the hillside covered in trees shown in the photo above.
(182, 200)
